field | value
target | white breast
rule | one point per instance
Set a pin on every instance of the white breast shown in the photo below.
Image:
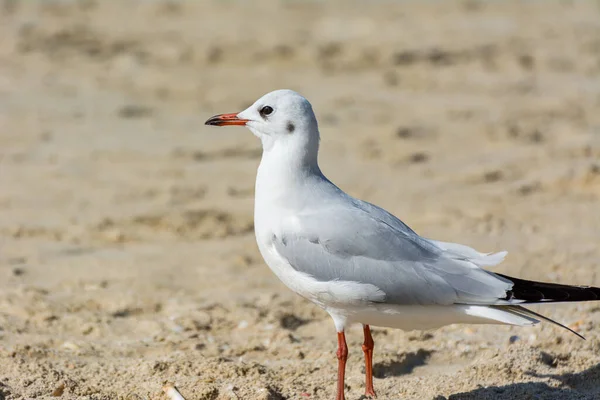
(276, 206)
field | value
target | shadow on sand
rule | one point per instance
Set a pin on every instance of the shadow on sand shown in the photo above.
(581, 386)
(407, 363)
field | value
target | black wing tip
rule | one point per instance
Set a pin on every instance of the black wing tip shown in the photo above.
(542, 292)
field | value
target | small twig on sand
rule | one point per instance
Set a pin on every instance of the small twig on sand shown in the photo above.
(172, 392)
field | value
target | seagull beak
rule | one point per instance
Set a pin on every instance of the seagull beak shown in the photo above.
(225, 119)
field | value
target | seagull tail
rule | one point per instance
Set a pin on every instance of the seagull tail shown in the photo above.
(532, 292)
(500, 314)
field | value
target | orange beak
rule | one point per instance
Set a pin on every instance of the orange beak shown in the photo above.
(225, 119)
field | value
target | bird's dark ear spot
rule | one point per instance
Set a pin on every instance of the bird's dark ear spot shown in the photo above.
(290, 127)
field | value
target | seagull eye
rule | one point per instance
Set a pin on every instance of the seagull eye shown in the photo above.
(266, 110)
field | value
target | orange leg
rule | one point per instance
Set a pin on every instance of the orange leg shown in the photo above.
(342, 356)
(367, 348)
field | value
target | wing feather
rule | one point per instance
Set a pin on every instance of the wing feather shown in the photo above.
(368, 245)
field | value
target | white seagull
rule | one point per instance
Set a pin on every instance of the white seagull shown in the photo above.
(357, 261)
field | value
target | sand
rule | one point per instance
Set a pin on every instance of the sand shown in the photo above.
(127, 254)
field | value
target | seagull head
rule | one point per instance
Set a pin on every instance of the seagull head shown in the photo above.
(282, 119)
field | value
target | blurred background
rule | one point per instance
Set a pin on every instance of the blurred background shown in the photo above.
(127, 254)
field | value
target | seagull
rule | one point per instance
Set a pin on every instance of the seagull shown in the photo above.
(359, 262)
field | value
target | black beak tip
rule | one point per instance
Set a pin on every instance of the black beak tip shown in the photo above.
(213, 121)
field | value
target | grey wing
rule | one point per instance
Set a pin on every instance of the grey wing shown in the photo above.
(350, 244)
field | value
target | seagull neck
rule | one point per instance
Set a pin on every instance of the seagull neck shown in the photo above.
(285, 168)
(282, 174)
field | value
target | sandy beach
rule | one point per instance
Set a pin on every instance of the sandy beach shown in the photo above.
(127, 250)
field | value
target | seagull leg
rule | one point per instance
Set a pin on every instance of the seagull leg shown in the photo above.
(342, 356)
(367, 348)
